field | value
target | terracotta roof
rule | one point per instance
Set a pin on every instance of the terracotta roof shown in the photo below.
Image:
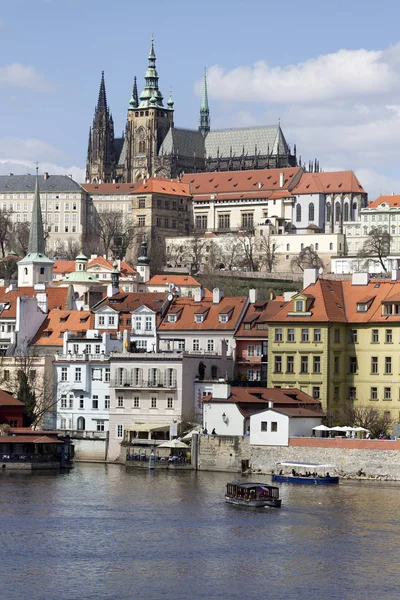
(111, 188)
(393, 201)
(128, 301)
(257, 181)
(337, 301)
(331, 182)
(161, 185)
(327, 304)
(57, 298)
(125, 269)
(64, 266)
(210, 312)
(260, 312)
(58, 321)
(7, 399)
(180, 280)
(289, 401)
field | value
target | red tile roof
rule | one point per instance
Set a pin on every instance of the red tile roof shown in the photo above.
(57, 298)
(28, 439)
(259, 313)
(63, 266)
(237, 182)
(125, 269)
(110, 188)
(161, 185)
(393, 201)
(128, 301)
(180, 280)
(7, 399)
(210, 312)
(51, 332)
(331, 182)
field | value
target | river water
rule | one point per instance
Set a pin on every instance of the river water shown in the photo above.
(102, 532)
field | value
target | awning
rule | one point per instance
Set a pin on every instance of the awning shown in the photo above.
(149, 427)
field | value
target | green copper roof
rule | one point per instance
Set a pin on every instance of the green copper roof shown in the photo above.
(81, 277)
(151, 94)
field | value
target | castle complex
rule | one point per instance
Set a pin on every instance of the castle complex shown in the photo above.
(153, 146)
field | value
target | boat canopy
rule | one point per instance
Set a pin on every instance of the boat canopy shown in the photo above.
(305, 465)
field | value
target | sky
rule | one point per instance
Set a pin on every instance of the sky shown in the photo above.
(329, 71)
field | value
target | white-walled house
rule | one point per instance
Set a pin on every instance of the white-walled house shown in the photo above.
(273, 427)
(205, 325)
(151, 392)
(82, 381)
(269, 415)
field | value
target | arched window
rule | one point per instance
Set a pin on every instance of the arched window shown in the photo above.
(337, 212)
(354, 211)
(81, 424)
(287, 247)
(346, 212)
(311, 212)
(121, 376)
(328, 212)
(25, 271)
(298, 213)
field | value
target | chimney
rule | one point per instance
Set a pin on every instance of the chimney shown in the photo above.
(360, 279)
(260, 184)
(198, 294)
(45, 175)
(218, 294)
(310, 277)
(270, 404)
(252, 295)
(395, 274)
(281, 179)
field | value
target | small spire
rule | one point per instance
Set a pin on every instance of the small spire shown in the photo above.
(152, 55)
(102, 100)
(170, 102)
(70, 301)
(36, 243)
(204, 120)
(134, 101)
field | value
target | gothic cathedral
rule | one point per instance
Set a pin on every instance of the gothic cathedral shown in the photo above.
(152, 146)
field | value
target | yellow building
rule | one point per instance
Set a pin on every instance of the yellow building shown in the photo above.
(339, 341)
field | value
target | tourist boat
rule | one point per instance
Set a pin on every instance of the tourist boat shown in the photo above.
(305, 473)
(252, 495)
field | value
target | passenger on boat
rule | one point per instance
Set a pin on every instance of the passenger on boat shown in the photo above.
(213, 432)
(281, 472)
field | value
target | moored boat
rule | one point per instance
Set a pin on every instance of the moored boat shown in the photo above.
(252, 495)
(310, 473)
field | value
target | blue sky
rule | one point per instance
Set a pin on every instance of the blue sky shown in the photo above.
(329, 71)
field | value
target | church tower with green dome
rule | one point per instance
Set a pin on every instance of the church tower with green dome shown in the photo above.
(35, 268)
(147, 125)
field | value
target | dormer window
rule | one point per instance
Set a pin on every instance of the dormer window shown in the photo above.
(223, 318)
(198, 318)
(172, 318)
(362, 307)
(299, 306)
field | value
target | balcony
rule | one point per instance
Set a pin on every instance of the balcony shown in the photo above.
(118, 383)
(252, 360)
(82, 357)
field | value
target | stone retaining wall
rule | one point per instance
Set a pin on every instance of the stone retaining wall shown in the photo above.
(372, 457)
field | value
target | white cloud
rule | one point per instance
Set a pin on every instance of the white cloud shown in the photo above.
(23, 167)
(24, 76)
(378, 184)
(343, 74)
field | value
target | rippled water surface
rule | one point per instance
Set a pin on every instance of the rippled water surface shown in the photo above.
(103, 532)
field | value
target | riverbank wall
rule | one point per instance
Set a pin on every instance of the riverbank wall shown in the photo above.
(372, 458)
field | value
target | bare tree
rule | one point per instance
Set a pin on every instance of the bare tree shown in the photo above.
(6, 228)
(375, 420)
(194, 249)
(231, 252)
(20, 239)
(71, 249)
(174, 254)
(8, 268)
(213, 255)
(249, 245)
(307, 259)
(376, 246)
(267, 252)
(33, 387)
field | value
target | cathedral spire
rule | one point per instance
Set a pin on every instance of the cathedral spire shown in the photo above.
(151, 89)
(204, 120)
(102, 100)
(134, 101)
(36, 234)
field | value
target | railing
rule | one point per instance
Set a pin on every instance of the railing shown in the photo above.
(141, 457)
(252, 359)
(118, 383)
(29, 458)
(75, 357)
(87, 435)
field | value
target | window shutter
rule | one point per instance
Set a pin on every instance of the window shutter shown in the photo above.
(173, 377)
(166, 377)
(140, 376)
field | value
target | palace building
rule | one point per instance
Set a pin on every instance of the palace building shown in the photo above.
(153, 146)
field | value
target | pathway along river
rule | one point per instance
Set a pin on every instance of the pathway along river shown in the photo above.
(101, 532)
